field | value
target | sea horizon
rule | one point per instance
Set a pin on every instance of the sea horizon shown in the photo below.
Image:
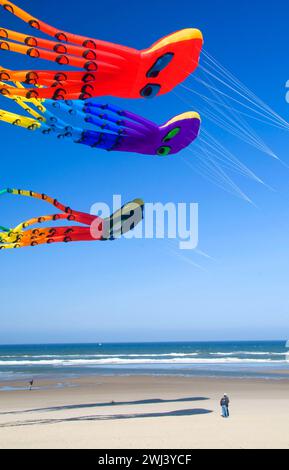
(48, 343)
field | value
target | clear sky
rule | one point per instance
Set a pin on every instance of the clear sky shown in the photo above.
(139, 290)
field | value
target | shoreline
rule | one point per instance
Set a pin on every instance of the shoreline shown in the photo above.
(145, 412)
(18, 379)
(44, 381)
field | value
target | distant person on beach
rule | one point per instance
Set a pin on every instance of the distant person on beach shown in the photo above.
(225, 406)
(31, 384)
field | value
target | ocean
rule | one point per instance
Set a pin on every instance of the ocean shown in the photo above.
(266, 359)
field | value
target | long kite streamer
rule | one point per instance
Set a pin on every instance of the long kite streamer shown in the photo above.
(93, 228)
(116, 129)
(108, 69)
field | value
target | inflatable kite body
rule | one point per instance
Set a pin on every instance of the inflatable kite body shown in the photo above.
(107, 69)
(105, 126)
(93, 228)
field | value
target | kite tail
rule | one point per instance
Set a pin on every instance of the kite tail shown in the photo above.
(78, 91)
(72, 215)
(50, 235)
(61, 36)
(39, 47)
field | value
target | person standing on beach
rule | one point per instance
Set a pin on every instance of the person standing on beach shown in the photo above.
(31, 384)
(225, 406)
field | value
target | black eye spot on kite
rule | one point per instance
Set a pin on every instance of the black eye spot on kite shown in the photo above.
(89, 43)
(160, 65)
(29, 41)
(60, 49)
(32, 94)
(32, 127)
(67, 239)
(164, 150)
(89, 55)
(34, 24)
(90, 66)
(50, 240)
(8, 7)
(4, 46)
(88, 77)
(3, 33)
(34, 53)
(61, 37)
(59, 94)
(60, 77)
(4, 92)
(62, 60)
(87, 88)
(150, 90)
(4, 75)
(31, 82)
(31, 77)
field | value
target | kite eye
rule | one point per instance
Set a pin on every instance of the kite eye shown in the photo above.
(89, 43)
(32, 52)
(34, 24)
(90, 66)
(4, 75)
(60, 77)
(61, 37)
(160, 65)
(164, 150)
(60, 49)
(8, 7)
(32, 42)
(170, 135)
(3, 33)
(150, 90)
(62, 60)
(88, 77)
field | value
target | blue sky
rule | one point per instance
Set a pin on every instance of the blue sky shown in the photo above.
(137, 290)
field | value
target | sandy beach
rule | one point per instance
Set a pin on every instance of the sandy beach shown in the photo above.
(145, 412)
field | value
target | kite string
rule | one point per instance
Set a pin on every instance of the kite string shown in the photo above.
(247, 93)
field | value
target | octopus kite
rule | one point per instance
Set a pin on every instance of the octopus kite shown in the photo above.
(93, 228)
(107, 68)
(111, 127)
